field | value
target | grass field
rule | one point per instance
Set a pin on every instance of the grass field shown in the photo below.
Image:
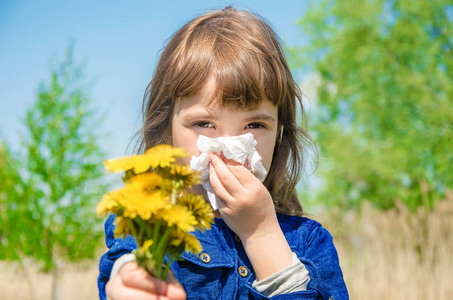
(396, 254)
(384, 255)
(78, 282)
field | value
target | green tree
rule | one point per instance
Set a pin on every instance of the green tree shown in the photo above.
(9, 196)
(384, 117)
(14, 216)
(63, 174)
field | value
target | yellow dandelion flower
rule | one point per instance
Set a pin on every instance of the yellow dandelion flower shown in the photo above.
(143, 205)
(179, 216)
(121, 227)
(111, 202)
(163, 155)
(122, 164)
(148, 206)
(183, 177)
(160, 156)
(107, 205)
(143, 248)
(191, 244)
(184, 241)
(200, 208)
(177, 237)
(149, 182)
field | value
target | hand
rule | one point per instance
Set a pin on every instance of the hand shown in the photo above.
(133, 282)
(245, 205)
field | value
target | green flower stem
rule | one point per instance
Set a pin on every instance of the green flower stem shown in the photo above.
(163, 186)
(144, 227)
(156, 234)
(167, 267)
(131, 227)
(141, 232)
(163, 241)
(161, 250)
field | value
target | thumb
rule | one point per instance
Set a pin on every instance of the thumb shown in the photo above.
(175, 290)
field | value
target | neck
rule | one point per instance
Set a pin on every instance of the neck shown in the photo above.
(217, 214)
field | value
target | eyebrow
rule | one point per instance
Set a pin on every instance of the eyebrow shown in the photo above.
(206, 115)
(262, 117)
(197, 115)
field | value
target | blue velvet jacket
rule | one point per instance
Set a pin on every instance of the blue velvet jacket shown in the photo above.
(223, 271)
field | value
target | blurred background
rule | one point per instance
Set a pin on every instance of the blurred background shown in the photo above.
(377, 78)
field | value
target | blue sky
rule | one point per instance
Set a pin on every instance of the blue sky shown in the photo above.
(118, 40)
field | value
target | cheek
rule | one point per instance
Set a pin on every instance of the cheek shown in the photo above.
(267, 160)
(266, 152)
(188, 142)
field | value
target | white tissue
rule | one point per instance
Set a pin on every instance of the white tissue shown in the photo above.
(238, 148)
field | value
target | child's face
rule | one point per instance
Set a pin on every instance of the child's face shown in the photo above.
(194, 115)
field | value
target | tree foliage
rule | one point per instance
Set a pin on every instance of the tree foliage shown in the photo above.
(64, 167)
(11, 213)
(384, 117)
(49, 196)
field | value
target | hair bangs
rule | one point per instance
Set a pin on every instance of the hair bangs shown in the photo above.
(247, 70)
(244, 77)
(190, 71)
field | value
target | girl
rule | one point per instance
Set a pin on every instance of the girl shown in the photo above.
(224, 74)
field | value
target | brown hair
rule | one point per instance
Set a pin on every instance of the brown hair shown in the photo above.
(245, 57)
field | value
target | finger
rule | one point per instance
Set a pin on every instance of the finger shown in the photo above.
(135, 277)
(116, 290)
(241, 174)
(175, 290)
(246, 178)
(218, 187)
(226, 179)
(170, 278)
(137, 295)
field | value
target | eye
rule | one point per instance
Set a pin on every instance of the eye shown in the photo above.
(203, 124)
(255, 126)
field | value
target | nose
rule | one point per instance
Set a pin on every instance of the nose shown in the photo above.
(229, 133)
(229, 129)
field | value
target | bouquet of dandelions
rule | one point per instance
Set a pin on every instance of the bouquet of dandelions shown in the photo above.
(156, 207)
